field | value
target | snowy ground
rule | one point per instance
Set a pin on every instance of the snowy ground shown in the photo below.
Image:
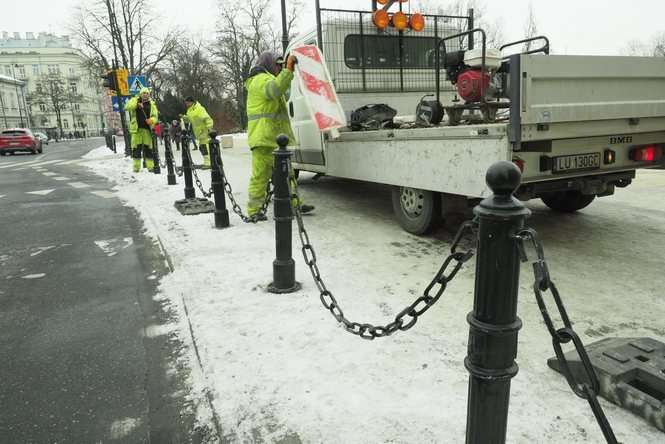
(280, 369)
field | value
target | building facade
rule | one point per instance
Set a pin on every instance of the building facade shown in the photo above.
(61, 96)
(13, 108)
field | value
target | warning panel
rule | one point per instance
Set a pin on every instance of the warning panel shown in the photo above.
(317, 88)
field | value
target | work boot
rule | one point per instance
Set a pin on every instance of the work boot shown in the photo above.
(258, 217)
(304, 209)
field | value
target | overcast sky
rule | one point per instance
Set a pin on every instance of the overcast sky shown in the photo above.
(573, 26)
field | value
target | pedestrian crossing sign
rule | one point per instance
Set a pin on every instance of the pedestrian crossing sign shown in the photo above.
(136, 83)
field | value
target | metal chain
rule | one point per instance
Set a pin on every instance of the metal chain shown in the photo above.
(590, 388)
(199, 184)
(234, 204)
(406, 318)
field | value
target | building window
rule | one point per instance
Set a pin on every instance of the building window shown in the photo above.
(21, 72)
(8, 70)
(42, 107)
(71, 70)
(72, 87)
(35, 70)
(38, 88)
(77, 107)
(65, 123)
(53, 69)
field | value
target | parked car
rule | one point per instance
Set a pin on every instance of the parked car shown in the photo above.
(19, 139)
(43, 137)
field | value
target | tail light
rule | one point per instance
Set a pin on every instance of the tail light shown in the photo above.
(647, 153)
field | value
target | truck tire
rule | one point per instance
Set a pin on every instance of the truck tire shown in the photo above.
(417, 211)
(567, 201)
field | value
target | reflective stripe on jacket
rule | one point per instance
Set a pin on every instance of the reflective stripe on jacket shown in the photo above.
(132, 106)
(201, 122)
(267, 115)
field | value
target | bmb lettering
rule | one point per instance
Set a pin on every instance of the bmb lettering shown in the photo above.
(615, 140)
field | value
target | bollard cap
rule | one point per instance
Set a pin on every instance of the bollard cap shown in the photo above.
(503, 178)
(282, 141)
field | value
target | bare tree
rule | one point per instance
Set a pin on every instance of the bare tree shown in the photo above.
(654, 47)
(461, 8)
(245, 32)
(530, 28)
(188, 71)
(125, 29)
(51, 92)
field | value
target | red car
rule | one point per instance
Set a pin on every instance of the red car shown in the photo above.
(19, 139)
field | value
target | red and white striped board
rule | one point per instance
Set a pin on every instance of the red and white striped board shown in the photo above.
(317, 89)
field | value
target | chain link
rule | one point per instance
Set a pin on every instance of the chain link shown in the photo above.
(199, 184)
(406, 318)
(590, 388)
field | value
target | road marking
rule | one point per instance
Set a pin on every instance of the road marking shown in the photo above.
(104, 194)
(34, 276)
(2, 195)
(50, 174)
(40, 250)
(78, 184)
(61, 178)
(41, 192)
(24, 163)
(47, 162)
(68, 162)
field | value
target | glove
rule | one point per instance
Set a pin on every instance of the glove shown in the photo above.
(291, 62)
(150, 121)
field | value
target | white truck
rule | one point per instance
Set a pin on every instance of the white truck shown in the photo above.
(577, 126)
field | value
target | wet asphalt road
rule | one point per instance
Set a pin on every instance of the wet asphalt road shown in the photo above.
(80, 363)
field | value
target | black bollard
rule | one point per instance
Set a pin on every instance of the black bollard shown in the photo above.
(168, 154)
(190, 193)
(221, 213)
(493, 322)
(155, 155)
(283, 267)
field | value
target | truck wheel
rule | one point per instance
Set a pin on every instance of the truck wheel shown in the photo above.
(567, 201)
(417, 211)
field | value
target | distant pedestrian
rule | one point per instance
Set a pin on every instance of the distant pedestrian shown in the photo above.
(176, 133)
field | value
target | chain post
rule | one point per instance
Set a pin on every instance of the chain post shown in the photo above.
(190, 192)
(155, 154)
(221, 213)
(284, 267)
(493, 322)
(168, 154)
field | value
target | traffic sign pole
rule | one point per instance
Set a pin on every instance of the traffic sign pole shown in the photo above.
(121, 108)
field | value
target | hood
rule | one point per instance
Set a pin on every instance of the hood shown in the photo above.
(264, 63)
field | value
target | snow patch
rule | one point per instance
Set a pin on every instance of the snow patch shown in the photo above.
(34, 276)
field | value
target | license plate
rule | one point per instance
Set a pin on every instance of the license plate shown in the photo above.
(576, 162)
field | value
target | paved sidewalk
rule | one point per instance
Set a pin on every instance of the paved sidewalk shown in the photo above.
(280, 369)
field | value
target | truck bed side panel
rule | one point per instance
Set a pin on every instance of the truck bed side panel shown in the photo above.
(454, 165)
(589, 96)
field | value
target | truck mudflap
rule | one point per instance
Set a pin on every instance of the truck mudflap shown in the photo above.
(597, 185)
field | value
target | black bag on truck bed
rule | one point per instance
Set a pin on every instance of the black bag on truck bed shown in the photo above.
(372, 117)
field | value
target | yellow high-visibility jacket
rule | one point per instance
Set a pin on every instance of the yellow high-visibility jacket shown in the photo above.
(267, 113)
